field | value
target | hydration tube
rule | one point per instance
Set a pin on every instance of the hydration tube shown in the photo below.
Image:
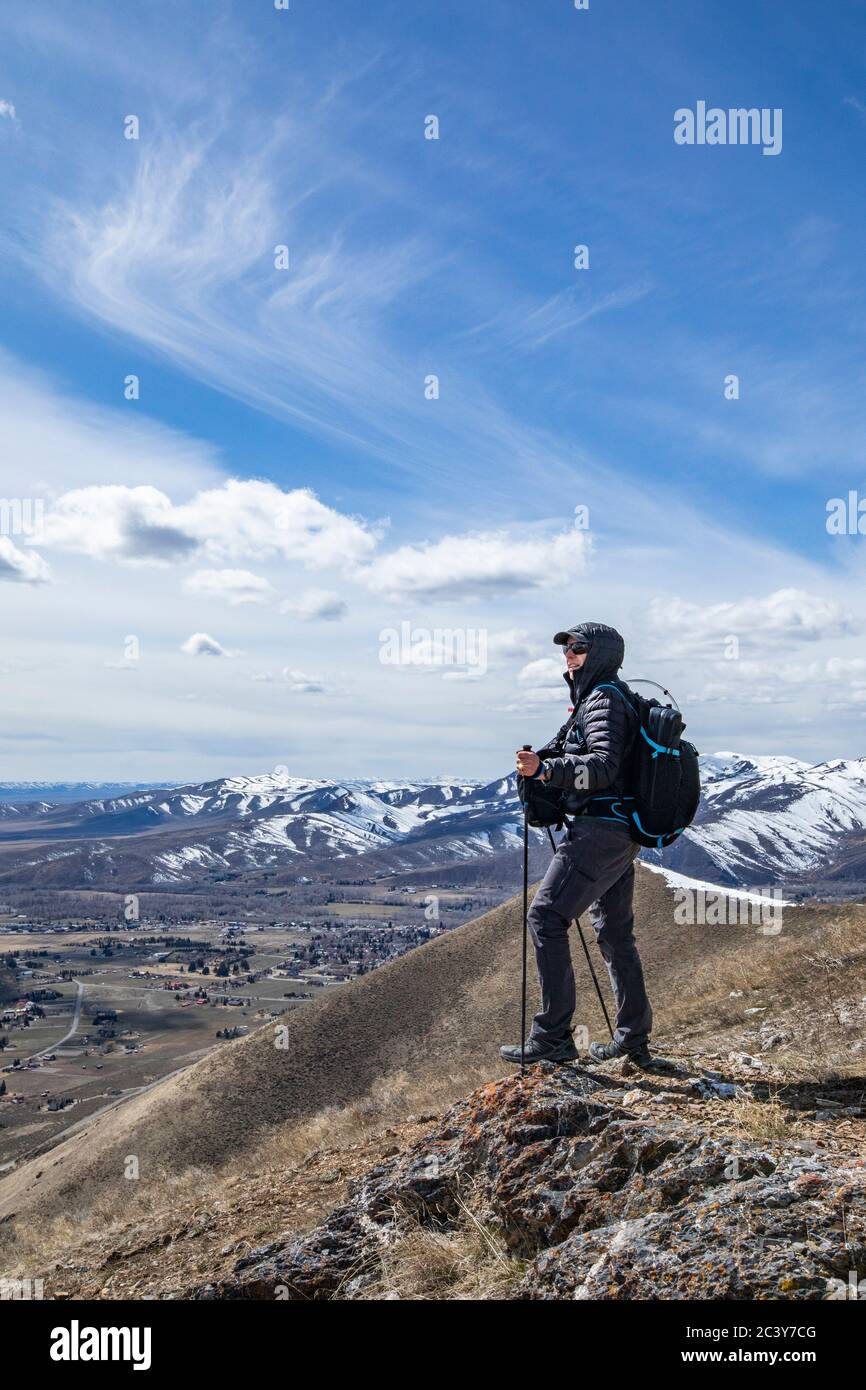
(642, 680)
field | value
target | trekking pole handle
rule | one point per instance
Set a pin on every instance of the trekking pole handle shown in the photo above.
(527, 748)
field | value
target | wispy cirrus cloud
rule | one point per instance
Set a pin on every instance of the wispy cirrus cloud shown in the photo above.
(530, 326)
(55, 437)
(181, 258)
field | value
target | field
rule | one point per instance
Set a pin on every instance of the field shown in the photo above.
(130, 1026)
(94, 1012)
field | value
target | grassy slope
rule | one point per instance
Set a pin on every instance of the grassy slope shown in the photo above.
(416, 1034)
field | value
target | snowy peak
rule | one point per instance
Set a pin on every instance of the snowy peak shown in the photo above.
(778, 820)
(765, 819)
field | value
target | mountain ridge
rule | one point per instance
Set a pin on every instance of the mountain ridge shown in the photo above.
(763, 820)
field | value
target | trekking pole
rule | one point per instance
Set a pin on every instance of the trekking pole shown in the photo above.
(586, 953)
(527, 748)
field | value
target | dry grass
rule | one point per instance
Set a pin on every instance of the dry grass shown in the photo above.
(819, 975)
(390, 1101)
(25, 1248)
(815, 970)
(469, 1262)
(766, 1120)
(286, 1150)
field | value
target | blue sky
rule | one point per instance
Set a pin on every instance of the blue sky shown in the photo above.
(219, 558)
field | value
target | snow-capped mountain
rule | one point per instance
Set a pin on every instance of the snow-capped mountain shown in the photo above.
(14, 795)
(777, 820)
(237, 824)
(763, 821)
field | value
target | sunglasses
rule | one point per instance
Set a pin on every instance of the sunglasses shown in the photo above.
(577, 648)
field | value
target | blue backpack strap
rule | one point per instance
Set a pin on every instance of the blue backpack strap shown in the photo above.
(659, 747)
(608, 685)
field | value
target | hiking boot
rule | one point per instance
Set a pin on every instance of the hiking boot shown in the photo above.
(612, 1051)
(538, 1051)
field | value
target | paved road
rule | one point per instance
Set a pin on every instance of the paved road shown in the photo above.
(76, 1017)
(45, 1145)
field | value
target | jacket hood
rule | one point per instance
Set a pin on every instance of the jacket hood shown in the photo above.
(604, 659)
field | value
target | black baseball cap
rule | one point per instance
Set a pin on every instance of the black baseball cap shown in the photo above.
(562, 639)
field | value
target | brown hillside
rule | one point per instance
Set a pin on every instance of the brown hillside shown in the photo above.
(435, 1017)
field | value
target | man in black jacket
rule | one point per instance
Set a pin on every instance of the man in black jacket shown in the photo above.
(588, 761)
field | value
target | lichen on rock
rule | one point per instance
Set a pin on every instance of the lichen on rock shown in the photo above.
(594, 1194)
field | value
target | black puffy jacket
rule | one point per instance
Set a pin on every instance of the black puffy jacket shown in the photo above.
(591, 753)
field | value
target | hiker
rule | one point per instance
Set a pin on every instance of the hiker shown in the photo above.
(588, 762)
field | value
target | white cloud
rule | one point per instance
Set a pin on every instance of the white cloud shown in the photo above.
(201, 644)
(768, 682)
(469, 674)
(239, 518)
(852, 700)
(235, 586)
(315, 605)
(303, 684)
(788, 615)
(125, 523)
(510, 642)
(541, 684)
(839, 667)
(714, 693)
(567, 310)
(488, 563)
(7, 109)
(546, 671)
(734, 675)
(21, 567)
(537, 698)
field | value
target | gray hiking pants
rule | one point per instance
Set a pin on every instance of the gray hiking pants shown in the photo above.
(593, 868)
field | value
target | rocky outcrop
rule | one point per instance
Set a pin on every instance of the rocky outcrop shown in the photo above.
(601, 1188)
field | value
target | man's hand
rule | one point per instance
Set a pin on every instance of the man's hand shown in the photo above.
(527, 763)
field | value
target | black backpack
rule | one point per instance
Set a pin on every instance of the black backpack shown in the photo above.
(664, 777)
